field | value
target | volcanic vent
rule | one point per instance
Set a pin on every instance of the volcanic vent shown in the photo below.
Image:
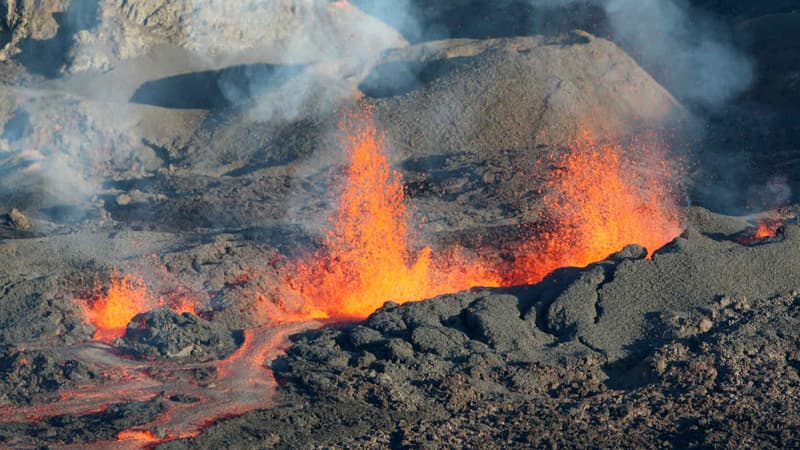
(371, 254)
(290, 225)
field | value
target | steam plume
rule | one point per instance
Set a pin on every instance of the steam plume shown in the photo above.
(685, 49)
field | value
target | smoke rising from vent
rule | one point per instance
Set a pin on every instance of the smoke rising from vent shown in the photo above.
(282, 60)
(686, 50)
(275, 60)
(333, 43)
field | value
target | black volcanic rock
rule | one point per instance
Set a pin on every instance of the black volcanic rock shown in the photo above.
(501, 340)
(626, 353)
(26, 374)
(721, 379)
(69, 429)
(163, 333)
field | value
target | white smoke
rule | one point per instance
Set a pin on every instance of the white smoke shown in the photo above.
(688, 51)
(335, 43)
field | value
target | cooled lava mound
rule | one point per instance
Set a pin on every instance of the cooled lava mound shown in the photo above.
(163, 333)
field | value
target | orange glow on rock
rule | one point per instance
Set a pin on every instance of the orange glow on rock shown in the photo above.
(367, 257)
(110, 314)
(140, 436)
(767, 228)
(126, 297)
(598, 201)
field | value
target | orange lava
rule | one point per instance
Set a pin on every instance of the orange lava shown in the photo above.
(598, 201)
(767, 228)
(367, 257)
(126, 297)
(242, 383)
(110, 314)
(135, 435)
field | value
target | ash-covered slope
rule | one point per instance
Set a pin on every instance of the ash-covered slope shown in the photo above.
(512, 94)
(477, 96)
(460, 113)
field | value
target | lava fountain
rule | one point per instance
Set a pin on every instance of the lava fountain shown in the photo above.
(597, 201)
(126, 297)
(367, 256)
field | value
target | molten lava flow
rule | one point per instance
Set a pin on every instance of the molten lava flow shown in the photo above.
(367, 259)
(242, 383)
(597, 203)
(143, 437)
(126, 297)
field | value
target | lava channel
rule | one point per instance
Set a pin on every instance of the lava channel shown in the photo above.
(242, 384)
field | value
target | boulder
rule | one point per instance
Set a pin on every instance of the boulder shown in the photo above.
(163, 333)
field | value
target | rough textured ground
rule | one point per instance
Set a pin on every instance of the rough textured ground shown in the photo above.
(684, 364)
(132, 143)
(165, 334)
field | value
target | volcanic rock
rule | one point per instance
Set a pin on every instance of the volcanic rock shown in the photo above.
(691, 391)
(511, 335)
(578, 305)
(34, 309)
(101, 426)
(632, 251)
(702, 358)
(27, 374)
(485, 95)
(603, 312)
(163, 333)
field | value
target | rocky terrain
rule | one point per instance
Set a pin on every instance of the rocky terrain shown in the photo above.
(197, 145)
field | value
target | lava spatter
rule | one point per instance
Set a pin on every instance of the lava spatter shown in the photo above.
(599, 198)
(126, 296)
(370, 255)
(765, 229)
